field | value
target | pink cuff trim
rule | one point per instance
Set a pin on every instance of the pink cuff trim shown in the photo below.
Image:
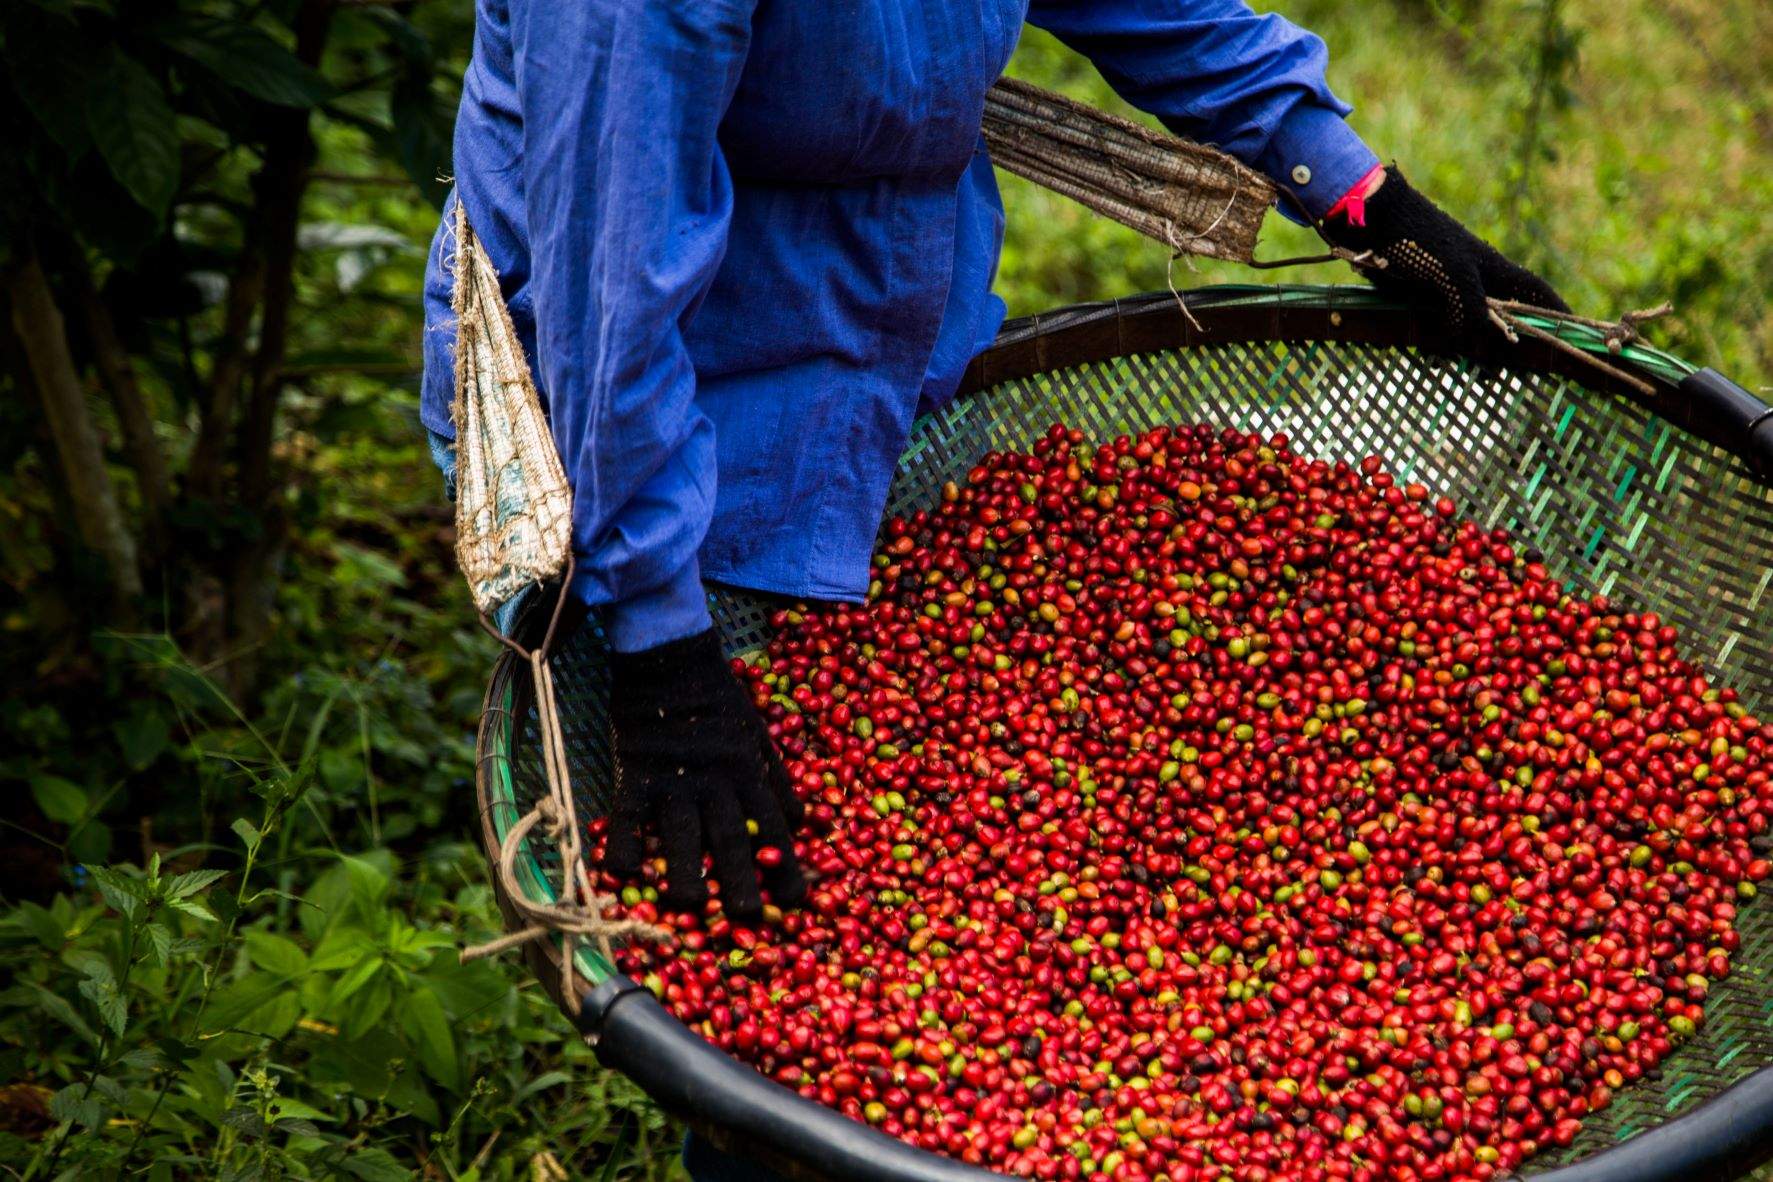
(1353, 204)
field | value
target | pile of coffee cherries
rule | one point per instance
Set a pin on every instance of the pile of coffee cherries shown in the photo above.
(1187, 808)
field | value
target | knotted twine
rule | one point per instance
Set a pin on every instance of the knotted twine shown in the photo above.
(514, 531)
(579, 911)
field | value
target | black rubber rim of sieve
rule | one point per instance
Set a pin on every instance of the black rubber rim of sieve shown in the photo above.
(742, 1112)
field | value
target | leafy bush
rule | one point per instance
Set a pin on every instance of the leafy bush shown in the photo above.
(302, 1014)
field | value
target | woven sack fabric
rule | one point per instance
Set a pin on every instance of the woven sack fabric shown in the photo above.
(513, 505)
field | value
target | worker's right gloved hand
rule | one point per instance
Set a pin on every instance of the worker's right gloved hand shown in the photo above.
(1416, 252)
(694, 761)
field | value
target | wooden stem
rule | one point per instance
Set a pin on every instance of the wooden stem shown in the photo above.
(117, 370)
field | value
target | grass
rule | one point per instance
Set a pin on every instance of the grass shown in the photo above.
(1653, 179)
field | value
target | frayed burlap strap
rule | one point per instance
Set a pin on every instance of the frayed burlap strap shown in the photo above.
(1193, 199)
(513, 506)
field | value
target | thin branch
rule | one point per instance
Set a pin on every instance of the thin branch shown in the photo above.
(1506, 316)
(233, 353)
(1617, 333)
(117, 369)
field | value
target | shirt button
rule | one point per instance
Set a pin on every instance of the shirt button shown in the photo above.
(1301, 175)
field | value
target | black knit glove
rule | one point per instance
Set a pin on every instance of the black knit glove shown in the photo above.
(694, 760)
(1431, 259)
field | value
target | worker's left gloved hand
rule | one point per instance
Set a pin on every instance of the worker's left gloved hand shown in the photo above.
(1427, 256)
(694, 761)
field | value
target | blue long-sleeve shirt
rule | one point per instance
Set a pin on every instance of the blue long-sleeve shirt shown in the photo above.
(746, 242)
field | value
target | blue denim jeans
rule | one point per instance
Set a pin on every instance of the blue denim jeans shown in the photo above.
(704, 1163)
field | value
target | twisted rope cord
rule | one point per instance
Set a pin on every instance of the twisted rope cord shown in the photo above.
(500, 554)
(579, 911)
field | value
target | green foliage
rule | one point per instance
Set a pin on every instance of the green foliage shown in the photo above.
(235, 880)
(235, 871)
(247, 59)
(134, 129)
(302, 1013)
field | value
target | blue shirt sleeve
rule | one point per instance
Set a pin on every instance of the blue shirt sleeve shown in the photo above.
(1218, 73)
(628, 202)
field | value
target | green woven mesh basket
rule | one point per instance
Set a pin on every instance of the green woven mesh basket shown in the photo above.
(1611, 484)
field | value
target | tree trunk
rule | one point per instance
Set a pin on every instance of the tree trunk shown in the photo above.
(250, 584)
(42, 333)
(279, 189)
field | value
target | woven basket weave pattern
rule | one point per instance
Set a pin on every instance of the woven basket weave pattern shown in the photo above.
(1618, 501)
